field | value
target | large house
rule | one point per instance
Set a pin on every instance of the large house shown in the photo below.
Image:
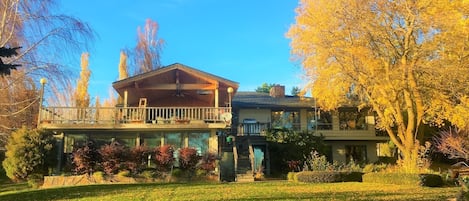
(185, 107)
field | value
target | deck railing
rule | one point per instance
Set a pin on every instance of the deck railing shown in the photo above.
(253, 128)
(123, 115)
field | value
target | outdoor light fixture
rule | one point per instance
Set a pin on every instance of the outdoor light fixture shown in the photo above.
(230, 91)
(43, 82)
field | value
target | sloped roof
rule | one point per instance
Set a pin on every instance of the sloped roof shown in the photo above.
(174, 66)
(264, 100)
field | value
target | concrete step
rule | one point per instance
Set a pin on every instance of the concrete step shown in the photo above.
(244, 178)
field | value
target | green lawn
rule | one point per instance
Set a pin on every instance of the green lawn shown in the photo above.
(272, 190)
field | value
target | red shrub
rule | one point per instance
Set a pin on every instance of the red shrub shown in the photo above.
(113, 157)
(207, 162)
(164, 157)
(85, 158)
(188, 158)
(138, 159)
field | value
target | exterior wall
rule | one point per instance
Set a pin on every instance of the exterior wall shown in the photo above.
(338, 150)
(261, 115)
(304, 119)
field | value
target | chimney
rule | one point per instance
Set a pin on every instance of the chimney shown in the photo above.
(277, 91)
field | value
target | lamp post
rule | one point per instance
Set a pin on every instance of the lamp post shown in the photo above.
(43, 82)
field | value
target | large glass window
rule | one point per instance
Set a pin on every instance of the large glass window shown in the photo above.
(286, 119)
(151, 140)
(352, 119)
(199, 141)
(174, 139)
(357, 153)
(320, 120)
(74, 141)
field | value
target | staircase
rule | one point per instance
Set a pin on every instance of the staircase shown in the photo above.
(244, 152)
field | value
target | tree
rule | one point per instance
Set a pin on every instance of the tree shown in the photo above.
(405, 59)
(454, 143)
(123, 71)
(264, 88)
(81, 96)
(28, 152)
(146, 54)
(295, 91)
(5, 68)
(44, 35)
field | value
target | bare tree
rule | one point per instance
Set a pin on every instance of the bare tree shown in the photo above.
(146, 54)
(454, 143)
(44, 36)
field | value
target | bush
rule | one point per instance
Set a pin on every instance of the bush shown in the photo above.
(374, 167)
(318, 176)
(85, 159)
(291, 176)
(208, 163)
(351, 176)
(29, 152)
(148, 174)
(392, 178)
(98, 177)
(35, 180)
(113, 157)
(164, 157)
(188, 158)
(138, 159)
(431, 180)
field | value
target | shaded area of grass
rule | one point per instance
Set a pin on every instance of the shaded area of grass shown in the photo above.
(278, 190)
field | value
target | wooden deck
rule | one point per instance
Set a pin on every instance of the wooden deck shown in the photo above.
(134, 117)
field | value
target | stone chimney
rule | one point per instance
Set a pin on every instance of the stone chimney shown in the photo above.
(277, 91)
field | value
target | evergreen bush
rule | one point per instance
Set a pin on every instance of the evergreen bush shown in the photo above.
(29, 152)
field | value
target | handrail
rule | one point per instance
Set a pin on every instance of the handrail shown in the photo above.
(122, 115)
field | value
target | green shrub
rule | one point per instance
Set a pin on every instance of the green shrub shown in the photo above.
(431, 180)
(29, 152)
(318, 176)
(351, 176)
(374, 167)
(391, 178)
(148, 174)
(98, 177)
(35, 180)
(291, 176)
(124, 173)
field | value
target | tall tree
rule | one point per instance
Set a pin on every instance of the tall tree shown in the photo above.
(406, 59)
(81, 96)
(147, 53)
(123, 71)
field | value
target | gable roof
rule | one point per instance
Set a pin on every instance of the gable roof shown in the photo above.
(178, 66)
(264, 100)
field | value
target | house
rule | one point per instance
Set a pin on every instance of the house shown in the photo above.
(348, 132)
(175, 105)
(185, 107)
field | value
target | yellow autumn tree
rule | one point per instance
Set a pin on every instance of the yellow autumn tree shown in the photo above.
(405, 59)
(81, 96)
(123, 71)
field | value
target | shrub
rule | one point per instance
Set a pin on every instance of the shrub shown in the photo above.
(29, 152)
(316, 162)
(98, 176)
(374, 167)
(208, 162)
(148, 174)
(291, 176)
(113, 157)
(392, 178)
(431, 180)
(138, 159)
(35, 180)
(188, 159)
(85, 159)
(318, 176)
(164, 157)
(327, 176)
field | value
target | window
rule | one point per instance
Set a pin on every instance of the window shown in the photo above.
(323, 121)
(352, 119)
(151, 140)
(357, 153)
(74, 141)
(199, 141)
(174, 139)
(286, 119)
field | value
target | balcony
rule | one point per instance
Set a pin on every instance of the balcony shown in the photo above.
(253, 129)
(134, 117)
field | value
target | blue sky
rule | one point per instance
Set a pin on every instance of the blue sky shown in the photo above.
(242, 40)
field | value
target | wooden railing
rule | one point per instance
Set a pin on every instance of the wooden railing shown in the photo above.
(123, 115)
(253, 128)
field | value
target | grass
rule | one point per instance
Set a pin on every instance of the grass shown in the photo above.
(272, 190)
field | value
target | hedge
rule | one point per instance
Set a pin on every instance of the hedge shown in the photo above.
(328, 176)
(430, 180)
